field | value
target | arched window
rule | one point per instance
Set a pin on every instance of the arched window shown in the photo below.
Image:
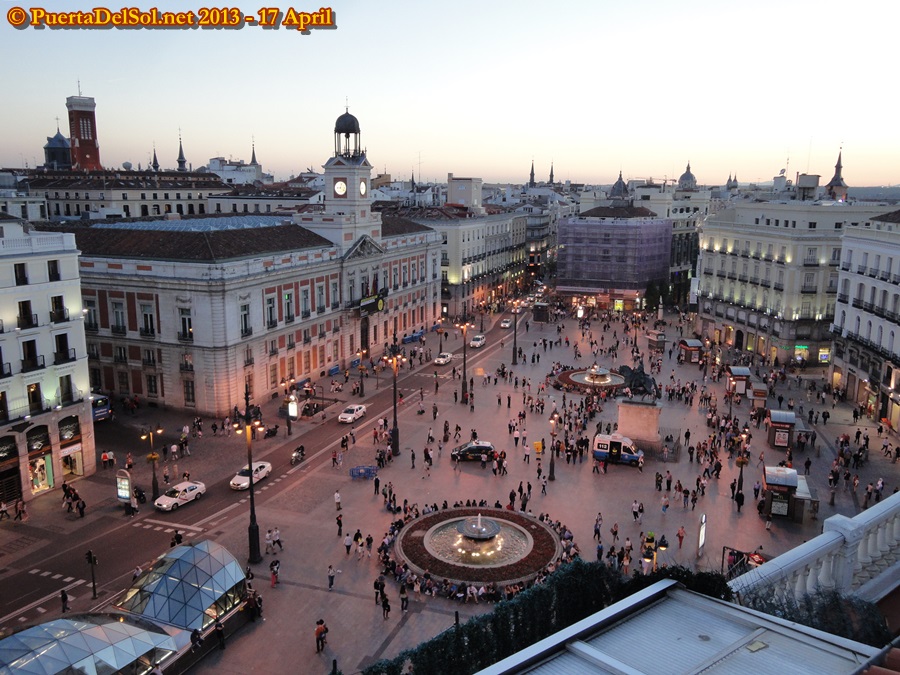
(843, 319)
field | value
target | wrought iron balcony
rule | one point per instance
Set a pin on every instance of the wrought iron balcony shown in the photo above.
(147, 332)
(810, 262)
(186, 367)
(843, 298)
(29, 365)
(860, 269)
(118, 329)
(248, 361)
(289, 318)
(320, 309)
(272, 323)
(305, 314)
(873, 272)
(59, 315)
(91, 326)
(149, 363)
(186, 337)
(63, 357)
(247, 331)
(779, 286)
(69, 397)
(27, 321)
(5, 370)
(809, 288)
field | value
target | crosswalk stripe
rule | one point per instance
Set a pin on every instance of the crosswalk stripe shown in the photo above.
(57, 576)
(34, 571)
(46, 574)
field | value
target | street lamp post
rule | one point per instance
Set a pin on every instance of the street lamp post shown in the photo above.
(465, 325)
(515, 358)
(361, 353)
(253, 529)
(395, 359)
(153, 458)
(653, 546)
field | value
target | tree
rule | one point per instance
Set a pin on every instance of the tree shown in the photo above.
(152, 459)
(652, 296)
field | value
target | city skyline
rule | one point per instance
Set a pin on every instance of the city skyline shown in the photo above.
(593, 89)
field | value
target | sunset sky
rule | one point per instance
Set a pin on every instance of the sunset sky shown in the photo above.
(482, 88)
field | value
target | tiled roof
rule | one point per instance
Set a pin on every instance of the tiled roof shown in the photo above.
(116, 180)
(392, 225)
(618, 212)
(194, 246)
(892, 217)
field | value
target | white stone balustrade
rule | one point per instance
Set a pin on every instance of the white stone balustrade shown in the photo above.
(852, 556)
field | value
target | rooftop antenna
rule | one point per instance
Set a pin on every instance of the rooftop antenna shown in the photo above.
(79, 87)
(346, 104)
(57, 124)
(420, 165)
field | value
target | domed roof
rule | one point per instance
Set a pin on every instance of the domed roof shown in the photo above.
(687, 181)
(346, 124)
(619, 189)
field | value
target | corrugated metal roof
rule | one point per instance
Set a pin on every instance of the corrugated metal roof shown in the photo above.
(668, 630)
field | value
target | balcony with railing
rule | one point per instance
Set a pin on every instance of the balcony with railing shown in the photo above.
(272, 323)
(754, 280)
(69, 397)
(307, 339)
(305, 314)
(810, 262)
(149, 363)
(289, 318)
(248, 361)
(732, 275)
(779, 286)
(336, 304)
(59, 315)
(743, 277)
(91, 326)
(246, 331)
(884, 275)
(186, 336)
(845, 266)
(852, 556)
(118, 329)
(21, 279)
(35, 363)
(27, 321)
(831, 289)
(720, 274)
(780, 260)
(186, 367)
(321, 334)
(895, 278)
(273, 351)
(843, 298)
(768, 257)
(120, 358)
(320, 309)
(765, 283)
(809, 288)
(708, 271)
(5, 370)
(63, 357)
(291, 344)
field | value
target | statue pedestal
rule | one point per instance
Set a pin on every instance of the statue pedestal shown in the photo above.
(639, 420)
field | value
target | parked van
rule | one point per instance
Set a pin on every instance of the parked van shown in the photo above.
(616, 449)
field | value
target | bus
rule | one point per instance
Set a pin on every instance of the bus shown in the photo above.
(616, 449)
(101, 406)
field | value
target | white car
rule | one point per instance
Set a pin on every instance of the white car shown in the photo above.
(352, 413)
(478, 341)
(506, 323)
(180, 494)
(443, 359)
(241, 480)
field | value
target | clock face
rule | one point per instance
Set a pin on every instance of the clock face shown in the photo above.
(362, 188)
(340, 188)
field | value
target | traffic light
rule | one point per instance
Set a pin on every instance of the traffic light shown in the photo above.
(90, 558)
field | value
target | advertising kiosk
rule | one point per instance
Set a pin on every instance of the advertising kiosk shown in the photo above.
(781, 428)
(691, 350)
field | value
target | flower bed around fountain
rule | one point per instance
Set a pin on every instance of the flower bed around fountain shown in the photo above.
(411, 547)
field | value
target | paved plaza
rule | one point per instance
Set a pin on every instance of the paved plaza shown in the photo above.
(303, 505)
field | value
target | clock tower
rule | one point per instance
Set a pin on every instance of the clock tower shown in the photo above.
(348, 202)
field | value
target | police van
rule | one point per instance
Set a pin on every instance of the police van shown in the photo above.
(616, 449)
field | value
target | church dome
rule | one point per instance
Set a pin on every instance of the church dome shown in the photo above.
(687, 181)
(619, 189)
(346, 124)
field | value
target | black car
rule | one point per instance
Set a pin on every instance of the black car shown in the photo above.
(472, 451)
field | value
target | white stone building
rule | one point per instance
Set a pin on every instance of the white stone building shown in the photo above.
(867, 318)
(769, 274)
(46, 425)
(188, 312)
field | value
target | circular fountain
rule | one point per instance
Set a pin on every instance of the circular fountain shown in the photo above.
(595, 377)
(465, 545)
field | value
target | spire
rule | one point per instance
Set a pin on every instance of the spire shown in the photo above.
(253, 155)
(531, 178)
(837, 188)
(551, 173)
(155, 163)
(412, 180)
(182, 162)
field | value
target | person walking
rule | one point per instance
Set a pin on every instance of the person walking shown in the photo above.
(385, 606)
(64, 598)
(337, 500)
(274, 568)
(544, 485)
(680, 536)
(348, 543)
(269, 547)
(404, 598)
(220, 631)
(340, 524)
(321, 632)
(377, 484)
(276, 539)
(166, 474)
(331, 573)
(4, 511)
(412, 457)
